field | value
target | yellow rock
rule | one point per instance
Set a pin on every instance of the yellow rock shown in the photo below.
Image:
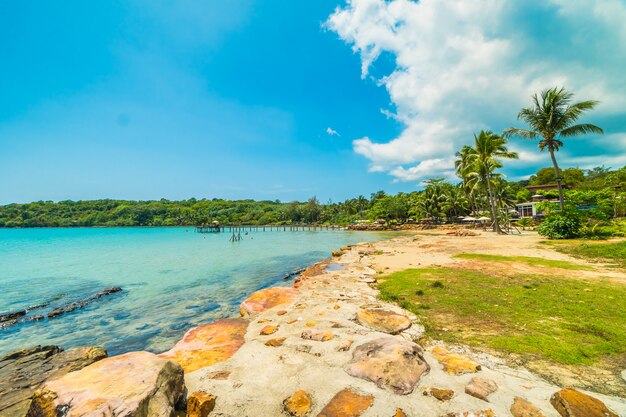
(454, 363)
(200, 404)
(276, 342)
(399, 413)
(281, 312)
(523, 408)
(572, 403)
(268, 330)
(347, 403)
(310, 324)
(208, 344)
(299, 404)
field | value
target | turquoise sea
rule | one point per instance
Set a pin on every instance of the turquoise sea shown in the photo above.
(171, 278)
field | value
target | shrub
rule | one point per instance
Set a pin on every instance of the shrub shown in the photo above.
(561, 225)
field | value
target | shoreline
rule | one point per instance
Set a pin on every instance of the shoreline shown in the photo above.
(304, 336)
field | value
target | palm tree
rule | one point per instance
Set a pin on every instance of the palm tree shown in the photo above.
(552, 117)
(464, 168)
(485, 157)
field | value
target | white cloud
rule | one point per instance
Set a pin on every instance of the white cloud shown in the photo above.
(331, 132)
(466, 66)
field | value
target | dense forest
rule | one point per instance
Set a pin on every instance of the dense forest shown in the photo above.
(601, 188)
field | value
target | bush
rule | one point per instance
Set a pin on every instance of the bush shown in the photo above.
(561, 225)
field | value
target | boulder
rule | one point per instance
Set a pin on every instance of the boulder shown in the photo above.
(136, 384)
(572, 403)
(523, 408)
(208, 344)
(200, 404)
(481, 388)
(454, 363)
(267, 298)
(383, 320)
(347, 403)
(389, 362)
(24, 371)
(299, 404)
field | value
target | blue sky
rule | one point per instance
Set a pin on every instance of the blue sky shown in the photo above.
(270, 99)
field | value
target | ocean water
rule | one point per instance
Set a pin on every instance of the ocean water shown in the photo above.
(171, 278)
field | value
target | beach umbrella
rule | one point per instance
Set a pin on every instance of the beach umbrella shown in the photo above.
(482, 219)
(469, 219)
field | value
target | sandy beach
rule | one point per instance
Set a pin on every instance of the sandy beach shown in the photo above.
(261, 374)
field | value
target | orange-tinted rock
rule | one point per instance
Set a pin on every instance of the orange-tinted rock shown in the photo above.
(383, 320)
(219, 375)
(481, 388)
(292, 321)
(268, 330)
(439, 393)
(200, 404)
(476, 413)
(344, 346)
(389, 362)
(572, 403)
(263, 321)
(281, 312)
(208, 344)
(310, 324)
(523, 408)
(318, 335)
(267, 298)
(299, 404)
(276, 342)
(454, 363)
(399, 413)
(138, 384)
(347, 403)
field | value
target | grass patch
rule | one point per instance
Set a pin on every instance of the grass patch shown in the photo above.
(613, 253)
(550, 263)
(568, 321)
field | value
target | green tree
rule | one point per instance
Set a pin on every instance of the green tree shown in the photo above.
(552, 117)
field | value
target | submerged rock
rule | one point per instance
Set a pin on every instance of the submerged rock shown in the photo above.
(572, 403)
(267, 298)
(136, 384)
(24, 371)
(347, 403)
(208, 344)
(389, 362)
(383, 320)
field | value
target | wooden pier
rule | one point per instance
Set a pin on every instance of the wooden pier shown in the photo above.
(235, 229)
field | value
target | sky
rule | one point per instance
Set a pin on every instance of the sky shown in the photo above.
(268, 99)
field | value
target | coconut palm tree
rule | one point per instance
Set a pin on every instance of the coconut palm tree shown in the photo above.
(485, 157)
(551, 117)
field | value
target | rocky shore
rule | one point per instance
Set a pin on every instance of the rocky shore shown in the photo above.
(326, 346)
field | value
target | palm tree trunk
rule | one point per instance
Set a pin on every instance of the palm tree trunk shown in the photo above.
(557, 172)
(494, 217)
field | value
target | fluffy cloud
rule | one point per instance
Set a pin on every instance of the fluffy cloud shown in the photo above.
(465, 66)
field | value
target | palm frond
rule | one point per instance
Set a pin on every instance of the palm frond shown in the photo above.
(581, 129)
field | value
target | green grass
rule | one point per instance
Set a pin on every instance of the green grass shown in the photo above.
(613, 253)
(550, 263)
(569, 321)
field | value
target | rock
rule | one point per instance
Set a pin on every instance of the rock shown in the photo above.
(383, 320)
(454, 363)
(318, 335)
(267, 298)
(267, 330)
(24, 371)
(399, 413)
(200, 404)
(572, 403)
(276, 342)
(481, 388)
(299, 404)
(208, 344)
(281, 312)
(439, 393)
(389, 362)
(344, 346)
(136, 384)
(337, 253)
(347, 403)
(219, 375)
(476, 413)
(523, 408)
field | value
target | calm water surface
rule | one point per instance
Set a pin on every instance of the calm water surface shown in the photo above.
(172, 279)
